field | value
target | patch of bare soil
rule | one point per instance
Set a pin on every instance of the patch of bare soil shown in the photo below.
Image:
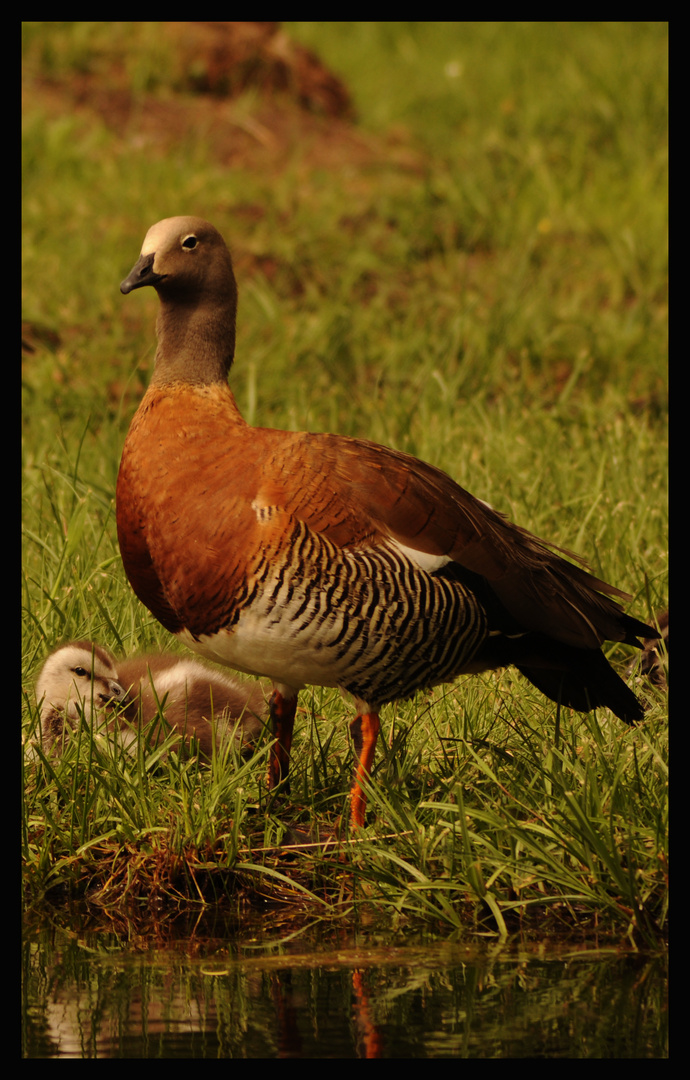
(299, 102)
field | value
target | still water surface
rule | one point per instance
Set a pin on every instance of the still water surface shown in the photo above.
(221, 990)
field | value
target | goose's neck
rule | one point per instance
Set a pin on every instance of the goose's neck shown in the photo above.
(196, 343)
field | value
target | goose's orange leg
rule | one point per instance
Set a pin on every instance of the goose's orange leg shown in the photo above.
(282, 713)
(365, 730)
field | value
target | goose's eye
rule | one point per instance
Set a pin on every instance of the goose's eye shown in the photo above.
(189, 243)
(81, 672)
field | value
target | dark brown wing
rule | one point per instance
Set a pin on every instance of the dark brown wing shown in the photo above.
(360, 493)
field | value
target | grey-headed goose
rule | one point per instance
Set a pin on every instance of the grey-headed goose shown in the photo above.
(82, 677)
(312, 558)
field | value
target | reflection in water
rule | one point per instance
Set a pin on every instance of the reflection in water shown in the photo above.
(369, 1041)
(226, 992)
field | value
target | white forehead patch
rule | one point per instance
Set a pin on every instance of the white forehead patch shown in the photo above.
(156, 236)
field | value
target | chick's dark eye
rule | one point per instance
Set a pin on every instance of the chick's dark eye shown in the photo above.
(80, 671)
(189, 242)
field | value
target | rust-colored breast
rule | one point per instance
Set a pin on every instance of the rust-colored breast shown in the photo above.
(183, 516)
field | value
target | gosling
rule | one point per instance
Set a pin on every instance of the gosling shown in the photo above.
(82, 678)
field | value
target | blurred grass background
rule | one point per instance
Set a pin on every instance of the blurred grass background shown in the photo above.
(448, 237)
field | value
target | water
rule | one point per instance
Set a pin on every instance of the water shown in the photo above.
(216, 988)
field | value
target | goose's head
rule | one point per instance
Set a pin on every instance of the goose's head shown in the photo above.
(77, 678)
(187, 262)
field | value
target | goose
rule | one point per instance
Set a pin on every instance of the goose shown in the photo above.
(82, 677)
(327, 560)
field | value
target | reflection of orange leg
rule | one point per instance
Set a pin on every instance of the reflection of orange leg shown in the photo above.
(365, 730)
(369, 1034)
(282, 713)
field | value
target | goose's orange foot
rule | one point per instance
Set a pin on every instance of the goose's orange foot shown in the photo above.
(365, 730)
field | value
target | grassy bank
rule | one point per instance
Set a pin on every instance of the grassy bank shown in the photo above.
(469, 264)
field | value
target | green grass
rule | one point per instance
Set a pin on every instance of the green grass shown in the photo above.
(481, 281)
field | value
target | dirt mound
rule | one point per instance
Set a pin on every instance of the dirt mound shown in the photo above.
(299, 102)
